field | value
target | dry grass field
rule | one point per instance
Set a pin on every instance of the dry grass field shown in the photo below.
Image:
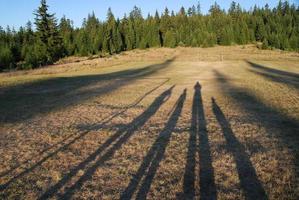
(184, 123)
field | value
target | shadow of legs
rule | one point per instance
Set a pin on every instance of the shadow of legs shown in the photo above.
(151, 162)
(120, 137)
(199, 143)
(249, 181)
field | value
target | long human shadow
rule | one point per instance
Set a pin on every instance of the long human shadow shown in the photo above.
(25, 101)
(249, 182)
(110, 146)
(284, 77)
(151, 161)
(275, 122)
(199, 145)
(64, 146)
(122, 110)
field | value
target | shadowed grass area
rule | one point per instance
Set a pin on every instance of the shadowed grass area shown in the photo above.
(27, 100)
(199, 146)
(117, 128)
(250, 184)
(275, 122)
(274, 71)
(147, 170)
(64, 144)
(288, 126)
(111, 145)
(284, 77)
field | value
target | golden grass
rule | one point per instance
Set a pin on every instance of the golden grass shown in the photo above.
(107, 128)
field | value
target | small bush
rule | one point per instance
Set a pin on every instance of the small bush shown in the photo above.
(6, 58)
(35, 56)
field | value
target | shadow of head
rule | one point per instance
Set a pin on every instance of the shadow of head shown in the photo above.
(182, 96)
(185, 91)
(197, 86)
(213, 100)
(168, 91)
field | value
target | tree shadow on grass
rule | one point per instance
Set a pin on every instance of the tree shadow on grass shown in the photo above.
(151, 161)
(249, 182)
(275, 122)
(274, 71)
(65, 143)
(287, 78)
(110, 146)
(27, 100)
(199, 146)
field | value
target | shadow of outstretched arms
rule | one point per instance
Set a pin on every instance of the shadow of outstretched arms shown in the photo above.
(111, 145)
(151, 161)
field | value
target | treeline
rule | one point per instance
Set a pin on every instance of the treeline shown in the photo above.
(33, 47)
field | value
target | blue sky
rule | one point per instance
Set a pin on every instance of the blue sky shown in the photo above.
(17, 12)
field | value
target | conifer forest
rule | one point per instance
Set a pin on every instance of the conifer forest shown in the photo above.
(47, 39)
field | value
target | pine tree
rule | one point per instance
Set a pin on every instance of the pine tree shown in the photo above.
(92, 28)
(47, 32)
(113, 41)
(6, 58)
(29, 48)
(198, 9)
(137, 26)
(170, 39)
(217, 21)
(83, 43)
(66, 32)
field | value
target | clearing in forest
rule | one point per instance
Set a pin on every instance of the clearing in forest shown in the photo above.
(182, 123)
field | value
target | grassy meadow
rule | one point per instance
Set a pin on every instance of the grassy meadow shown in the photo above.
(182, 123)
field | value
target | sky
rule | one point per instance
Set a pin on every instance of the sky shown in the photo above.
(16, 13)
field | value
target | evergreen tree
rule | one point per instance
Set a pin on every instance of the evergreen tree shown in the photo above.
(198, 9)
(29, 48)
(67, 33)
(217, 22)
(47, 32)
(113, 40)
(170, 40)
(6, 58)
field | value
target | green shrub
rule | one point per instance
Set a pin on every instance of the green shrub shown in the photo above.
(6, 58)
(35, 56)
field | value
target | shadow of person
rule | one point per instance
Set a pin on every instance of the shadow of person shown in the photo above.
(249, 181)
(276, 123)
(197, 86)
(110, 146)
(147, 170)
(199, 146)
(64, 144)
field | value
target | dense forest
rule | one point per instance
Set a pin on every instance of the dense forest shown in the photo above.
(48, 39)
